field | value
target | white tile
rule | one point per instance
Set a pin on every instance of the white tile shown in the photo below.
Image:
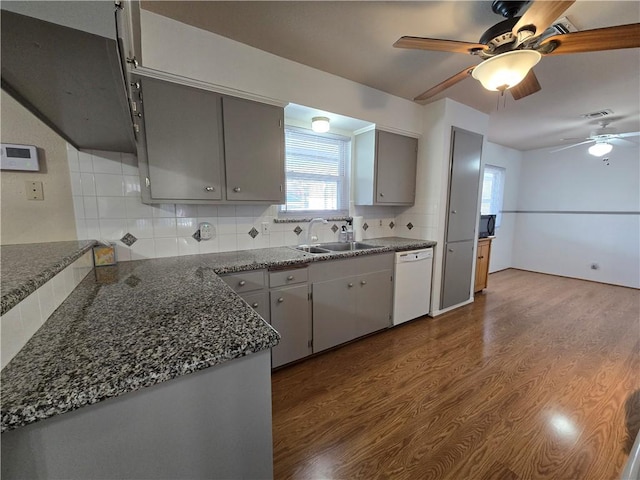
(186, 226)
(244, 211)
(81, 229)
(129, 164)
(140, 227)
(276, 239)
(12, 335)
(188, 246)
(137, 209)
(93, 228)
(164, 210)
(226, 225)
(30, 314)
(209, 246)
(261, 241)
(85, 161)
(88, 184)
(260, 211)
(112, 229)
(59, 288)
(132, 186)
(82, 267)
(143, 248)
(47, 299)
(245, 242)
(90, 207)
(227, 243)
(243, 225)
(78, 207)
(166, 247)
(112, 207)
(72, 158)
(123, 253)
(108, 185)
(106, 162)
(290, 238)
(186, 210)
(76, 183)
(207, 210)
(226, 210)
(69, 279)
(164, 227)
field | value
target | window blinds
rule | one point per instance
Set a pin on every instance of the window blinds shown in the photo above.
(493, 192)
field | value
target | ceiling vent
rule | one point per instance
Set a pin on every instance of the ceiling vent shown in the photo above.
(599, 114)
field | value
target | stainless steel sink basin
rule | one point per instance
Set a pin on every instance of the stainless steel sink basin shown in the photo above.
(311, 249)
(345, 246)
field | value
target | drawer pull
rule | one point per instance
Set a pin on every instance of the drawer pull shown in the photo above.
(242, 283)
(237, 189)
(280, 300)
(350, 285)
(290, 277)
(209, 189)
(254, 305)
(363, 282)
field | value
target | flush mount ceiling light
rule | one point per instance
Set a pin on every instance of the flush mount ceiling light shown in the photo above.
(506, 70)
(320, 124)
(600, 148)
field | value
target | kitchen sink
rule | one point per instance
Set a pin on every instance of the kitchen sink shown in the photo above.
(311, 249)
(345, 246)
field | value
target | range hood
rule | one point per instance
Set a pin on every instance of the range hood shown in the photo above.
(62, 61)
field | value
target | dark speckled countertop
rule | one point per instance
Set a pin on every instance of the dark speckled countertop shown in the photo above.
(144, 322)
(25, 268)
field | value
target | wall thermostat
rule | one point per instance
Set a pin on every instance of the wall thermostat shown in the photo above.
(19, 157)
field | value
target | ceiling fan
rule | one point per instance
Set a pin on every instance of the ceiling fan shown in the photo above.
(603, 140)
(511, 48)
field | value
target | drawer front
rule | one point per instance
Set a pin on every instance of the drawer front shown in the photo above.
(259, 301)
(288, 277)
(245, 281)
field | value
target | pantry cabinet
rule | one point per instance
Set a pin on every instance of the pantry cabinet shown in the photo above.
(482, 264)
(385, 168)
(198, 146)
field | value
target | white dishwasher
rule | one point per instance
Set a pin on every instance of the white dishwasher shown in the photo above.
(412, 285)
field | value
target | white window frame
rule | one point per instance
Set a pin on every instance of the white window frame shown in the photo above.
(495, 196)
(342, 200)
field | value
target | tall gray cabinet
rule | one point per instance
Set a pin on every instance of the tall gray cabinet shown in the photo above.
(462, 209)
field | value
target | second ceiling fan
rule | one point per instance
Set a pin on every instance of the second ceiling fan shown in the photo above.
(511, 48)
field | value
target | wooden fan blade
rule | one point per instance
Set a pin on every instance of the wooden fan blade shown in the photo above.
(526, 87)
(420, 43)
(449, 82)
(541, 15)
(609, 38)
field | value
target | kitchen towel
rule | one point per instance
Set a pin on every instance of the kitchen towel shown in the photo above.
(357, 228)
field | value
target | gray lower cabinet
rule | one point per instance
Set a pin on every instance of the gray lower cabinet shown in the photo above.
(351, 298)
(291, 318)
(259, 301)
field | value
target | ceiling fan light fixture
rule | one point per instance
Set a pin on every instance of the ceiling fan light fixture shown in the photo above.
(320, 124)
(506, 70)
(600, 148)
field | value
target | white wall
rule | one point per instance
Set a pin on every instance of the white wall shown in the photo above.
(576, 185)
(502, 245)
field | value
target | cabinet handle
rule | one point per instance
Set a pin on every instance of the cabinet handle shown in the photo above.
(454, 211)
(382, 194)
(254, 305)
(481, 256)
(363, 282)
(236, 189)
(350, 285)
(290, 277)
(450, 250)
(280, 300)
(242, 283)
(209, 189)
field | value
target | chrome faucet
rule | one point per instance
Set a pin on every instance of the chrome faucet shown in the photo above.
(310, 238)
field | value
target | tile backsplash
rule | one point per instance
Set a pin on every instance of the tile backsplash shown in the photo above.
(107, 204)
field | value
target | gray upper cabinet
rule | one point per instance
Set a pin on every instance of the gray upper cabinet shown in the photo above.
(385, 168)
(184, 146)
(254, 150)
(197, 146)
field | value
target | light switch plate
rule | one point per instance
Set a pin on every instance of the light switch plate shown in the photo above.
(34, 190)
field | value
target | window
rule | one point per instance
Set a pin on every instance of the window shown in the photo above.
(316, 167)
(493, 192)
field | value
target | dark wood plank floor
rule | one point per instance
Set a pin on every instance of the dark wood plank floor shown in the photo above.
(539, 378)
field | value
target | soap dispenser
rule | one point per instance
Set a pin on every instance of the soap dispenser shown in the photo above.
(342, 236)
(350, 230)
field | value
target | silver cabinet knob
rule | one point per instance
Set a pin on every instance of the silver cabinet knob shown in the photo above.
(363, 282)
(350, 285)
(290, 277)
(254, 305)
(209, 188)
(280, 300)
(242, 283)
(236, 189)
(454, 211)
(450, 250)
(382, 194)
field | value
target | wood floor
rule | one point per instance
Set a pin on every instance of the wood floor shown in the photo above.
(538, 379)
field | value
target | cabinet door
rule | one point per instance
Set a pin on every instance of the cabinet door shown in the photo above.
(374, 292)
(290, 317)
(260, 303)
(183, 133)
(466, 149)
(254, 150)
(458, 265)
(482, 265)
(396, 160)
(334, 312)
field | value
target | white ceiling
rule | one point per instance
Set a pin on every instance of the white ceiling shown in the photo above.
(353, 39)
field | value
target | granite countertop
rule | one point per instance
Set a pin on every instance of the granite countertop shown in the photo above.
(144, 322)
(25, 268)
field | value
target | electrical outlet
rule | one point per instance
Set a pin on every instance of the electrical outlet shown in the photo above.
(34, 190)
(206, 231)
(265, 228)
(380, 224)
